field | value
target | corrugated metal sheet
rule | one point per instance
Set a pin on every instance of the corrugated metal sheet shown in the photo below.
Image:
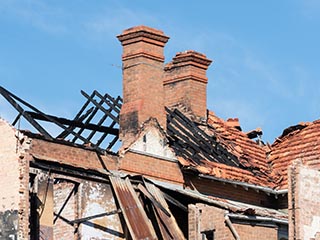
(168, 225)
(136, 219)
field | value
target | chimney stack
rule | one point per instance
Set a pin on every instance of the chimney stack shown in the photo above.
(185, 82)
(142, 64)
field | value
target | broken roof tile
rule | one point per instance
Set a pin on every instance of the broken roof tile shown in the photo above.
(301, 143)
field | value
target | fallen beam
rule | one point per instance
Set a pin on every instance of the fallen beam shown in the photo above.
(81, 220)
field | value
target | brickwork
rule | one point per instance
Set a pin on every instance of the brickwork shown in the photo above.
(9, 172)
(203, 219)
(74, 156)
(148, 86)
(152, 167)
(249, 232)
(24, 206)
(304, 202)
(231, 192)
(142, 79)
(200, 219)
(65, 200)
(14, 178)
(185, 82)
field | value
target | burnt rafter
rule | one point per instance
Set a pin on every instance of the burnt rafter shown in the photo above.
(190, 142)
(95, 125)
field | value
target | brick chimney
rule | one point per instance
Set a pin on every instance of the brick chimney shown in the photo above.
(185, 82)
(142, 64)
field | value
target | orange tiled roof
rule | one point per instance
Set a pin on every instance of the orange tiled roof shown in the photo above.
(250, 154)
(300, 142)
(262, 165)
(234, 156)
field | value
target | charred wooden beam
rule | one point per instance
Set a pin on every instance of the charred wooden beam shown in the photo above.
(152, 199)
(188, 139)
(116, 119)
(110, 126)
(68, 170)
(92, 114)
(16, 119)
(64, 121)
(81, 220)
(112, 105)
(11, 98)
(80, 118)
(81, 122)
(74, 189)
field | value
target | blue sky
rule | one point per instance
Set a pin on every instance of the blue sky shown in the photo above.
(265, 53)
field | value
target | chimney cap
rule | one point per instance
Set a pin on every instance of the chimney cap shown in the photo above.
(143, 33)
(189, 57)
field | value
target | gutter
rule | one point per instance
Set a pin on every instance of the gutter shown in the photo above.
(257, 218)
(246, 186)
(231, 227)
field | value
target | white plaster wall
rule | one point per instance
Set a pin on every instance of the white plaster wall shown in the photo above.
(153, 143)
(98, 198)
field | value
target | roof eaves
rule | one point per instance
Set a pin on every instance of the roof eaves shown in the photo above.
(230, 205)
(246, 186)
(257, 218)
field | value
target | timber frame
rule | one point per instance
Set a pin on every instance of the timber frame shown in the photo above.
(102, 134)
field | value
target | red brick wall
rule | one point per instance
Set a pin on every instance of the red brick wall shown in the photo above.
(185, 82)
(231, 192)
(74, 156)
(191, 94)
(61, 192)
(203, 218)
(152, 167)
(143, 164)
(142, 79)
(250, 232)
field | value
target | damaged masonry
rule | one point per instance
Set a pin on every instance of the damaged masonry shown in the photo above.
(155, 164)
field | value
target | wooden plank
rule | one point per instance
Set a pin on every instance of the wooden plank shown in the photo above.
(168, 225)
(137, 221)
(152, 199)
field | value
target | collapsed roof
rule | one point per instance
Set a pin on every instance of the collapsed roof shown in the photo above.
(214, 148)
(95, 125)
